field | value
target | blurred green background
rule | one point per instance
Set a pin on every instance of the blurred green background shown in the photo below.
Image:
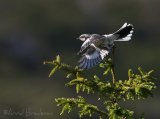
(32, 31)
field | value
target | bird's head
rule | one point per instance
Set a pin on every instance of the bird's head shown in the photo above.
(84, 37)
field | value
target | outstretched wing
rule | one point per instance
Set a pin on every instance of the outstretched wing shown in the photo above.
(94, 39)
(123, 34)
(84, 46)
(92, 57)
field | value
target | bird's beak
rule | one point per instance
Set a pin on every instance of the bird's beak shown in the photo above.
(77, 38)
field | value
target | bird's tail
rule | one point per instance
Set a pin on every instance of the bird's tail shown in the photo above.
(124, 33)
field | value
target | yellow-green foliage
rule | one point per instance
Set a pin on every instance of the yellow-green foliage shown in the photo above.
(110, 92)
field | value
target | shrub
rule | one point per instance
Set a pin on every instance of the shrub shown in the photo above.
(110, 92)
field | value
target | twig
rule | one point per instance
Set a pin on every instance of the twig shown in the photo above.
(113, 75)
(112, 69)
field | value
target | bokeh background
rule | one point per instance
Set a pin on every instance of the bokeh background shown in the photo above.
(32, 31)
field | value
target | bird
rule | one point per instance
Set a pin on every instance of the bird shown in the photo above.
(96, 47)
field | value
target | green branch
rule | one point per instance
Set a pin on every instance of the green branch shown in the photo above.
(110, 91)
(58, 65)
(85, 109)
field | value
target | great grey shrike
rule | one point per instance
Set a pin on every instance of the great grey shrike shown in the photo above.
(96, 47)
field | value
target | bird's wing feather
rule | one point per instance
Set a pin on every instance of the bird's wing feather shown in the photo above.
(94, 39)
(92, 57)
(85, 45)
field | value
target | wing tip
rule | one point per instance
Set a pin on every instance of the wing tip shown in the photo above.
(85, 63)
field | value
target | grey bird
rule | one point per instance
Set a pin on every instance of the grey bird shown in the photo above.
(96, 47)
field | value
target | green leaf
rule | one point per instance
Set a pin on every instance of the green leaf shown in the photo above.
(141, 71)
(107, 71)
(77, 88)
(150, 72)
(101, 65)
(58, 59)
(53, 71)
(69, 75)
(96, 78)
(130, 73)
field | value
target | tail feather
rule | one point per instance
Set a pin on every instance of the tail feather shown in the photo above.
(124, 33)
